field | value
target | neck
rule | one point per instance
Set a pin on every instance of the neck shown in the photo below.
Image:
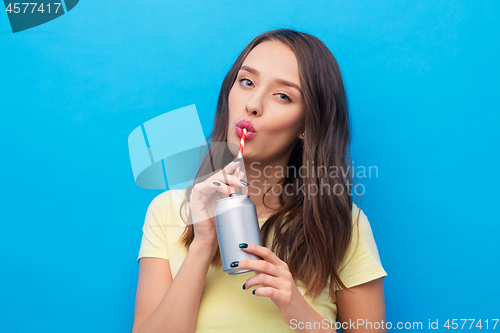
(261, 177)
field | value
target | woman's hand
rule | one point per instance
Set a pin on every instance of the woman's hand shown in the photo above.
(279, 286)
(203, 200)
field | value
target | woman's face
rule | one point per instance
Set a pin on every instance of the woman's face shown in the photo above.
(264, 94)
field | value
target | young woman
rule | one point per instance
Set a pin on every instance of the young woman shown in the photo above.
(320, 261)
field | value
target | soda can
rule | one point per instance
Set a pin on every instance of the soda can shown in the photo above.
(236, 221)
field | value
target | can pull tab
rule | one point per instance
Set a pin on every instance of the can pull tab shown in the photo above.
(235, 193)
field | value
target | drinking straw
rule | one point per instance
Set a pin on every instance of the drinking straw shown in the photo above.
(240, 154)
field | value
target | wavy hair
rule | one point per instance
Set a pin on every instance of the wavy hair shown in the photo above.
(311, 234)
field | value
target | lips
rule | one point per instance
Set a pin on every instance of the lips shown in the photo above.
(245, 124)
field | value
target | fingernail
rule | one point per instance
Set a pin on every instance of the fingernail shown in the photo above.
(234, 264)
(243, 245)
(216, 183)
(253, 292)
(238, 159)
(243, 182)
(244, 287)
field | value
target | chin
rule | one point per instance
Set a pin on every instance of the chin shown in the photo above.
(234, 144)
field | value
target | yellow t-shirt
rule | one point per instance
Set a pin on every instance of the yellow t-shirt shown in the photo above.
(224, 305)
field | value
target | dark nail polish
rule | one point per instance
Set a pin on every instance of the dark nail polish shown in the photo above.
(253, 292)
(244, 286)
(243, 182)
(238, 159)
(243, 245)
(216, 183)
(234, 264)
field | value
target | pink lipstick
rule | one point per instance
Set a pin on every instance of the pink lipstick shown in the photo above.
(240, 125)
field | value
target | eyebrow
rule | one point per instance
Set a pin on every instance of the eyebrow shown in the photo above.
(279, 81)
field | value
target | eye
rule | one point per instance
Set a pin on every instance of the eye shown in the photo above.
(286, 97)
(244, 79)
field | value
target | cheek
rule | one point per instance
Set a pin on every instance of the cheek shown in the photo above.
(232, 107)
(285, 124)
(233, 96)
(230, 96)
(232, 101)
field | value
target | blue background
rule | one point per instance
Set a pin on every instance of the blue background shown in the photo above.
(422, 83)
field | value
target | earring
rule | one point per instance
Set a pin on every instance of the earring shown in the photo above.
(303, 133)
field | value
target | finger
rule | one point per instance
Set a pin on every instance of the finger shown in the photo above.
(228, 180)
(263, 279)
(258, 265)
(230, 170)
(243, 189)
(228, 192)
(265, 292)
(206, 189)
(231, 166)
(265, 254)
(223, 190)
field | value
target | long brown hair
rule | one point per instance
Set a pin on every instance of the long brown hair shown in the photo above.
(311, 234)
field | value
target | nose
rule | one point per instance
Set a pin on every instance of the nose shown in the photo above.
(254, 105)
(255, 113)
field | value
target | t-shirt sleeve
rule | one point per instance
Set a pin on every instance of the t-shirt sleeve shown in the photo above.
(361, 263)
(154, 237)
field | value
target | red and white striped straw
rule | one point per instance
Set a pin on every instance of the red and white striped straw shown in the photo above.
(240, 154)
(242, 145)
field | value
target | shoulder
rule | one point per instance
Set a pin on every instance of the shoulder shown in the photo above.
(361, 228)
(167, 198)
(361, 262)
(356, 211)
(166, 206)
(360, 223)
